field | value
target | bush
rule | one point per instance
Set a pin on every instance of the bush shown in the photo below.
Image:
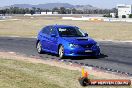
(130, 16)
(123, 16)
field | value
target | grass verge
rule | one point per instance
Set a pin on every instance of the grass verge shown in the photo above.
(22, 74)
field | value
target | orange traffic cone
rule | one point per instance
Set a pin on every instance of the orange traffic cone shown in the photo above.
(84, 81)
(84, 73)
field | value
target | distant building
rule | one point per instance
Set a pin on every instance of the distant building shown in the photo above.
(55, 13)
(49, 13)
(113, 15)
(37, 12)
(124, 10)
(43, 13)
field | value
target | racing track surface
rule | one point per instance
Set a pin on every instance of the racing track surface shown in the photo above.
(115, 56)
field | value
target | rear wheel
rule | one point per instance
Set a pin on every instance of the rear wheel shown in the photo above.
(39, 48)
(61, 52)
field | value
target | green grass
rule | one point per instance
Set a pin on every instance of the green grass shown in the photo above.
(27, 27)
(21, 74)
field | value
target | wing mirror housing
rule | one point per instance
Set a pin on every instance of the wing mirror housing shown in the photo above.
(86, 34)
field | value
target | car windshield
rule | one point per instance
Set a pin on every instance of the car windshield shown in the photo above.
(70, 32)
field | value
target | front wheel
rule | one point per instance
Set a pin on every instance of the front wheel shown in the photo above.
(61, 52)
(39, 48)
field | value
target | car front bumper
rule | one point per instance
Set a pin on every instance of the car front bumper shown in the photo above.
(94, 51)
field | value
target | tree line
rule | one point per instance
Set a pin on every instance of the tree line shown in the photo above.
(61, 10)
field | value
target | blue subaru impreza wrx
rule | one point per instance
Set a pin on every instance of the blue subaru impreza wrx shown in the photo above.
(66, 40)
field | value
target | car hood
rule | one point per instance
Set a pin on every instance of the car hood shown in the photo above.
(79, 40)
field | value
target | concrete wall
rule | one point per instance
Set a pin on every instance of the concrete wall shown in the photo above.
(43, 13)
(49, 13)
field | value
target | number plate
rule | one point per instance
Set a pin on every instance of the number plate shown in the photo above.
(88, 51)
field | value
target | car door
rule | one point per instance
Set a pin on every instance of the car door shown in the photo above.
(45, 37)
(53, 40)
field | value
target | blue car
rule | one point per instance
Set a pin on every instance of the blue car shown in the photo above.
(66, 40)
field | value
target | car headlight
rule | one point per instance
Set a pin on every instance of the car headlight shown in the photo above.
(73, 45)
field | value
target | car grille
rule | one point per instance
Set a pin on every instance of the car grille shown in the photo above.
(87, 46)
(82, 39)
(86, 53)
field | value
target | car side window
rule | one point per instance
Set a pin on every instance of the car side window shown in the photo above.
(46, 30)
(53, 31)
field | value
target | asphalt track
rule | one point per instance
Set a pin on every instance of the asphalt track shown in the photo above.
(115, 56)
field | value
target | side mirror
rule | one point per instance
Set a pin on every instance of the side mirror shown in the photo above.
(86, 34)
(53, 35)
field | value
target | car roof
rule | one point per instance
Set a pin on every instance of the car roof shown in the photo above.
(58, 26)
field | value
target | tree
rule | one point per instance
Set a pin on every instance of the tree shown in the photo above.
(114, 10)
(55, 9)
(62, 10)
(130, 15)
(3, 12)
(33, 10)
(80, 12)
(95, 11)
(7, 11)
(38, 10)
(27, 10)
(68, 11)
(15, 10)
(100, 11)
(74, 11)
